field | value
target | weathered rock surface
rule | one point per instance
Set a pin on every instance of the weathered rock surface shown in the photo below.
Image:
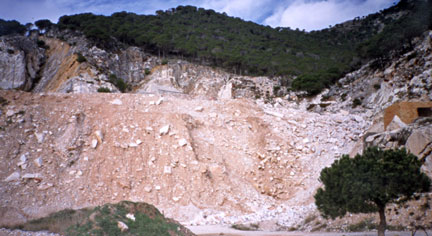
(20, 62)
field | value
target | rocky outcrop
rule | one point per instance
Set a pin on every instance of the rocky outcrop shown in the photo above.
(20, 61)
(371, 89)
(181, 77)
(139, 71)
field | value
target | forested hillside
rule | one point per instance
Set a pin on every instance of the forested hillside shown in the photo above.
(316, 58)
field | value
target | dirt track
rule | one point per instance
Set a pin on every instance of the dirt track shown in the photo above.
(216, 230)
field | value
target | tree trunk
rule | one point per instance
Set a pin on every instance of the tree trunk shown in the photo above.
(382, 225)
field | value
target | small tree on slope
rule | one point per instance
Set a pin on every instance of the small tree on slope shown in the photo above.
(368, 182)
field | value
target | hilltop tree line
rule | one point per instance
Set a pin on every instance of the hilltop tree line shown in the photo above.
(316, 59)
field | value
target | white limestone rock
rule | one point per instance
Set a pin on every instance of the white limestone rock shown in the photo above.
(164, 130)
(182, 142)
(40, 137)
(199, 109)
(36, 176)
(116, 102)
(130, 216)
(122, 226)
(159, 101)
(99, 135)
(13, 177)
(94, 143)
(38, 162)
(167, 170)
(396, 123)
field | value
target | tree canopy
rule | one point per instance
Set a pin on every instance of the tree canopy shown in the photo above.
(368, 182)
(11, 27)
(244, 47)
(43, 24)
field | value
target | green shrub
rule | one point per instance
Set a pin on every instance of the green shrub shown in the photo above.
(41, 44)
(164, 62)
(314, 83)
(80, 58)
(343, 96)
(311, 83)
(377, 86)
(276, 89)
(118, 82)
(103, 90)
(3, 101)
(147, 71)
(356, 102)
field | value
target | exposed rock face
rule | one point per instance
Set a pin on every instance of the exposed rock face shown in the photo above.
(20, 62)
(407, 78)
(180, 77)
(141, 72)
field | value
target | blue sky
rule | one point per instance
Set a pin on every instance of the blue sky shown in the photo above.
(302, 14)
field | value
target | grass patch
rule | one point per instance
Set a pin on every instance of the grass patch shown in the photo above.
(103, 90)
(103, 220)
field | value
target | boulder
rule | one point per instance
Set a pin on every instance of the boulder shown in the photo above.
(182, 142)
(35, 176)
(164, 130)
(13, 177)
(396, 123)
(94, 143)
(38, 162)
(226, 91)
(122, 226)
(20, 63)
(419, 140)
(40, 137)
(99, 135)
(130, 216)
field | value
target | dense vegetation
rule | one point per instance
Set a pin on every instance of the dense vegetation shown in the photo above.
(209, 37)
(316, 59)
(396, 37)
(11, 27)
(369, 182)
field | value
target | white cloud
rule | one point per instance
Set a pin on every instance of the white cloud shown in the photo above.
(313, 15)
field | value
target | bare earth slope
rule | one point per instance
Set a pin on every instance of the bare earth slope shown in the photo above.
(218, 162)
